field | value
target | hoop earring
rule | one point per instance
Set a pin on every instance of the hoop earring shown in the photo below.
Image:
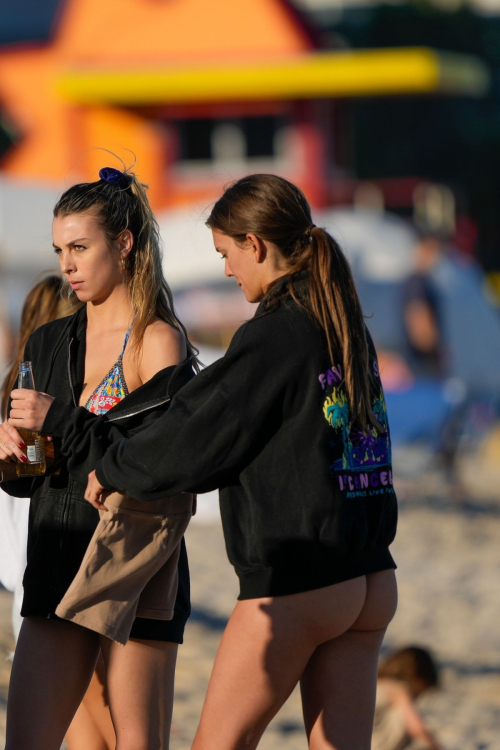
(123, 264)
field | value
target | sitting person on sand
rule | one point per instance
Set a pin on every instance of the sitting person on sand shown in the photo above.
(402, 678)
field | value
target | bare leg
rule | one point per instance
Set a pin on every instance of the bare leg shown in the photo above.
(140, 681)
(339, 684)
(52, 668)
(265, 648)
(84, 733)
(92, 728)
(338, 691)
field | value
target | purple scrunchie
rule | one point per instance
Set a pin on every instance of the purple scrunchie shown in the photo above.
(115, 177)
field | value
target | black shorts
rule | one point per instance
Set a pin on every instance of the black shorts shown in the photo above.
(39, 602)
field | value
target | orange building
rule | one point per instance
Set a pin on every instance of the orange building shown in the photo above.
(199, 91)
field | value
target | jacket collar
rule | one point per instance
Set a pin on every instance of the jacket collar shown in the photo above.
(159, 389)
(76, 351)
(279, 291)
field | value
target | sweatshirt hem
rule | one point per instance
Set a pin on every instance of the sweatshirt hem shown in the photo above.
(312, 574)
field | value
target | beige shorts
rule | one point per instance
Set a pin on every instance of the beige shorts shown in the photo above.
(130, 567)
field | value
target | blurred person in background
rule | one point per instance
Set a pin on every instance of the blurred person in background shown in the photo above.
(5, 340)
(402, 677)
(107, 242)
(43, 303)
(291, 425)
(452, 332)
(421, 311)
(91, 728)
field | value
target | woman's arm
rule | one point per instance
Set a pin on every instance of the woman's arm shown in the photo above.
(213, 427)
(85, 436)
(414, 723)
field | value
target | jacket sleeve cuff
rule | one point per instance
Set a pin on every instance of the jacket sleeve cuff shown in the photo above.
(57, 418)
(101, 478)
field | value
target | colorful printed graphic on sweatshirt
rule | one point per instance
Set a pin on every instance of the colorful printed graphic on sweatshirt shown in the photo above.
(357, 455)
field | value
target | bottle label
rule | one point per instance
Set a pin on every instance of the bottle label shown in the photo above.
(34, 453)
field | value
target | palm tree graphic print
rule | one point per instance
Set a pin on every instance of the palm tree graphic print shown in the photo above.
(361, 449)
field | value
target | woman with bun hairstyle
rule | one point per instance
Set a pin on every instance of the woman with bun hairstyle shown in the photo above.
(291, 425)
(103, 374)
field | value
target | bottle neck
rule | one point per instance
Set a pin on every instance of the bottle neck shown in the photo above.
(25, 377)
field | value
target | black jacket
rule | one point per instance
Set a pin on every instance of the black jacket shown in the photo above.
(306, 497)
(61, 520)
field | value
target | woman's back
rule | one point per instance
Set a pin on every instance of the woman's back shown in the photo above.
(337, 479)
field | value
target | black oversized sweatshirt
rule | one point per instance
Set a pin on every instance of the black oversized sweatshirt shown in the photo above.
(307, 498)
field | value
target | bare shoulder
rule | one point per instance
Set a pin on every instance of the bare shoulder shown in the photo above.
(162, 347)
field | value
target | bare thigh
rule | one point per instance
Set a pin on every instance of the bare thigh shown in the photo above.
(140, 682)
(265, 649)
(92, 728)
(339, 683)
(52, 668)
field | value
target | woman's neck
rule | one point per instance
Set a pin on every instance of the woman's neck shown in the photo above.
(114, 312)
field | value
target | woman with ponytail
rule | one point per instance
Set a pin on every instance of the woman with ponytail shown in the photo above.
(291, 425)
(102, 374)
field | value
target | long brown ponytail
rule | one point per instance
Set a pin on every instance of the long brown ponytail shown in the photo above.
(277, 211)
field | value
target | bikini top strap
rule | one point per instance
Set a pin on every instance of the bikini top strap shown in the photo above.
(127, 335)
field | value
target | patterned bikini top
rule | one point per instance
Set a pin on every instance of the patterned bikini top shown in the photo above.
(112, 387)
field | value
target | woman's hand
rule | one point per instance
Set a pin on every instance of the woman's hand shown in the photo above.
(29, 408)
(12, 446)
(95, 493)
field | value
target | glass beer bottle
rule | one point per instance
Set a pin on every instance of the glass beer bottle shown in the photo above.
(35, 452)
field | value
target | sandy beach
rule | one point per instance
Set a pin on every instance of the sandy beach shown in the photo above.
(448, 554)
